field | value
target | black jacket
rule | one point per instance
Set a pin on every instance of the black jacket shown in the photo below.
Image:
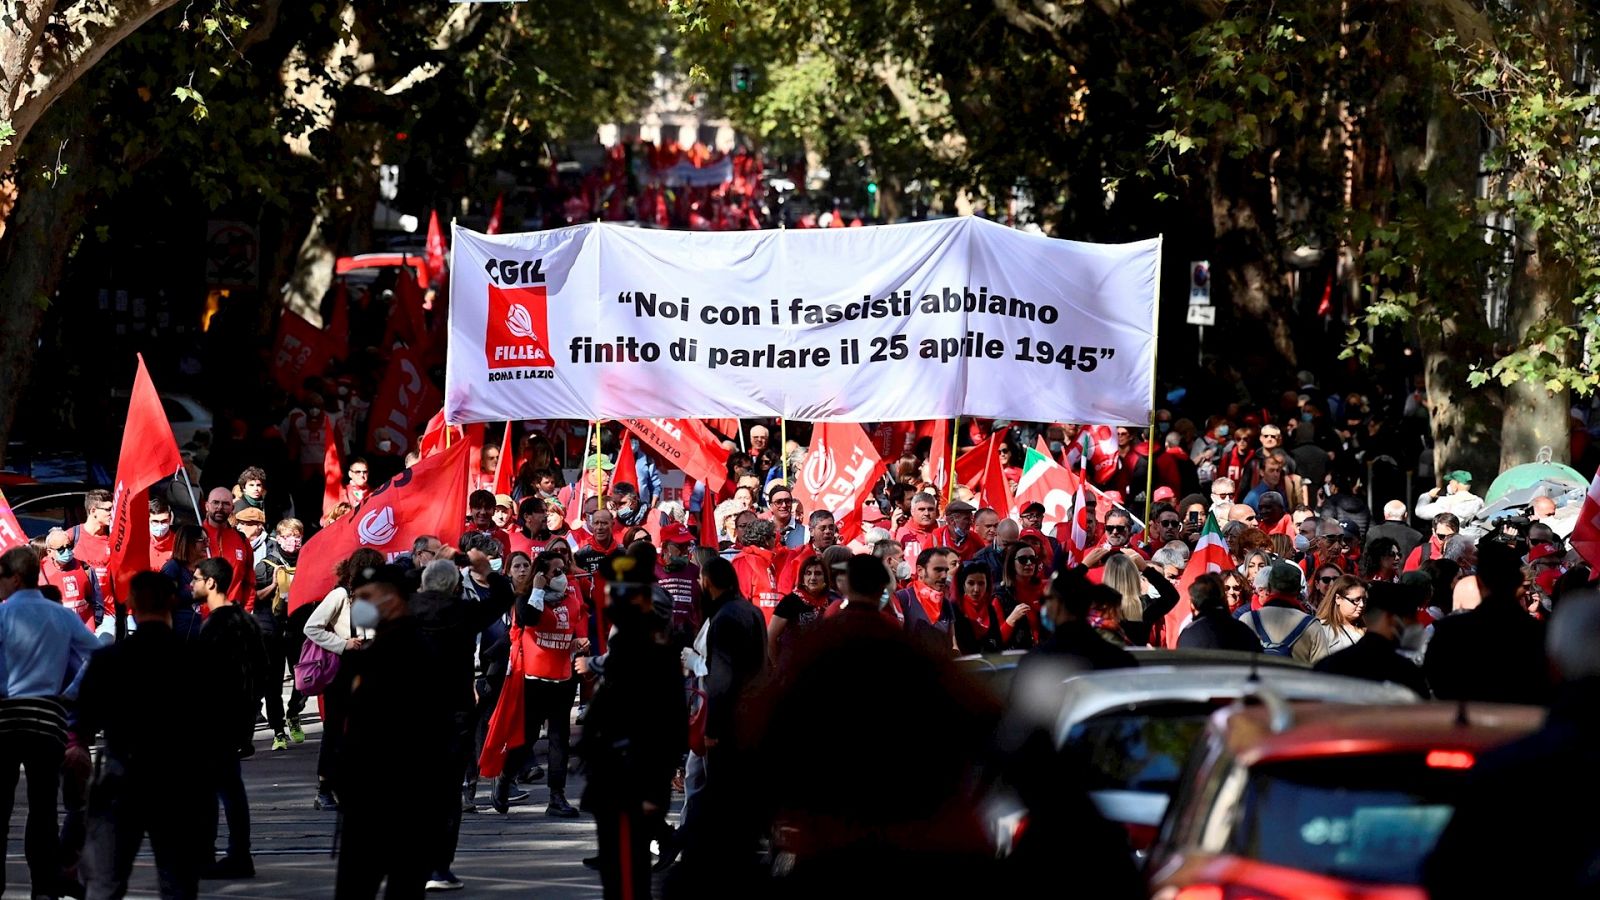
(1154, 610)
(1511, 792)
(237, 655)
(399, 722)
(637, 726)
(1375, 658)
(1494, 653)
(736, 645)
(450, 624)
(1214, 629)
(1081, 641)
(1407, 537)
(128, 692)
(1348, 508)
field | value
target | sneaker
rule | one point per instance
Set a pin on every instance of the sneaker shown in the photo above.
(444, 881)
(326, 803)
(560, 808)
(517, 797)
(230, 867)
(296, 733)
(279, 742)
(531, 776)
(468, 806)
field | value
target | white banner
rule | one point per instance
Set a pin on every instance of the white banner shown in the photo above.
(927, 320)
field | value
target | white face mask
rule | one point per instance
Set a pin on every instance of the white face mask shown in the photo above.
(160, 529)
(1302, 543)
(557, 586)
(364, 614)
(903, 571)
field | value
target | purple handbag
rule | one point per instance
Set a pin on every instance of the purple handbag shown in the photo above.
(316, 669)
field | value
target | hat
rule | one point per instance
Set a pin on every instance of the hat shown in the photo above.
(960, 506)
(505, 500)
(598, 460)
(676, 534)
(1460, 475)
(1547, 581)
(1284, 578)
(1541, 551)
(1399, 599)
(251, 514)
(1163, 494)
(1351, 529)
(871, 512)
(864, 574)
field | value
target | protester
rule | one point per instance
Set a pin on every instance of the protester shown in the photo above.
(224, 542)
(1213, 626)
(1394, 528)
(333, 628)
(1022, 586)
(1457, 499)
(1339, 611)
(801, 608)
(1144, 597)
(822, 532)
(62, 570)
(1494, 653)
(917, 534)
(1388, 611)
(1281, 623)
(757, 566)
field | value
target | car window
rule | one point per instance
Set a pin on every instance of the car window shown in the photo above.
(1360, 818)
(1139, 749)
(175, 411)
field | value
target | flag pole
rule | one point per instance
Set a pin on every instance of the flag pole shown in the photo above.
(193, 499)
(783, 448)
(955, 436)
(598, 476)
(1155, 356)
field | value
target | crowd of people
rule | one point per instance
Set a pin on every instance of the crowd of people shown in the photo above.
(696, 664)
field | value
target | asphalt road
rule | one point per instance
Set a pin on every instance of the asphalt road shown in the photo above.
(525, 851)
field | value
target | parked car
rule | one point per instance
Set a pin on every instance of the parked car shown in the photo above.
(1322, 800)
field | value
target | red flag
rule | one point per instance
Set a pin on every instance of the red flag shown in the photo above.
(972, 466)
(687, 445)
(939, 457)
(894, 438)
(475, 438)
(1586, 533)
(494, 218)
(149, 454)
(625, 472)
(406, 318)
(710, 538)
(1210, 555)
(11, 533)
(1104, 458)
(336, 333)
(435, 248)
(1046, 481)
(838, 474)
(424, 499)
(507, 465)
(299, 353)
(401, 402)
(996, 493)
(438, 434)
(332, 468)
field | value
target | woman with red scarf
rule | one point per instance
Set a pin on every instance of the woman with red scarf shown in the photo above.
(1022, 586)
(800, 610)
(981, 626)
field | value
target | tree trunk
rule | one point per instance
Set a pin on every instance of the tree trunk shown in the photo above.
(1248, 257)
(1536, 417)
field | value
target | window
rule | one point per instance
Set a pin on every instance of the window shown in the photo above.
(1361, 818)
(1139, 749)
(176, 412)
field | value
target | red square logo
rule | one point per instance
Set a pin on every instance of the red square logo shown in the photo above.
(515, 336)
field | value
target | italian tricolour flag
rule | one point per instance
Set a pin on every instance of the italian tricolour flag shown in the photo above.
(1210, 555)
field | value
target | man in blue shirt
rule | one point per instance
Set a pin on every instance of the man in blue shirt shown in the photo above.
(43, 646)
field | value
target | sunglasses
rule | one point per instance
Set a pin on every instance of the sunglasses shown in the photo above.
(1170, 523)
(1327, 579)
(358, 471)
(1027, 560)
(1116, 529)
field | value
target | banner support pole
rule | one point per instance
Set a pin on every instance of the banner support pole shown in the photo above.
(1155, 356)
(783, 448)
(599, 477)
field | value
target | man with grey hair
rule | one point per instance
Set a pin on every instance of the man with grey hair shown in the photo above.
(1282, 624)
(1461, 550)
(756, 567)
(1512, 786)
(1171, 559)
(1395, 528)
(917, 534)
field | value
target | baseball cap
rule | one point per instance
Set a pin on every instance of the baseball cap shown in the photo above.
(1351, 529)
(1541, 551)
(676, 534)
(1461, 475)
(251, 514)
(505, 500)
(870, 513)
(1163, 494)
(598, 460)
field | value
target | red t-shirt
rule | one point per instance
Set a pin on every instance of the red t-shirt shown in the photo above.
(94, 551)
(160, 551)
(75, 584)
(914, 540)
(548, 647)
(227, 543)
(758, 579)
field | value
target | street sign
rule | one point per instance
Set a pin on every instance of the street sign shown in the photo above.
(1200, 282)
(1202, 315)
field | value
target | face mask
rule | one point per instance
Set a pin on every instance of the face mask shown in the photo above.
(1222, 431)
(1056, 447)
(903, 571)
(64, 555)
(960, 536)
(496, 564)
(1046, 622)
(1301, 543)
(674, 563)
(1163, 427)
(160, 529)
(258, 540)
(289, 544)
(557, 586)
(1305, 417)
(364, 614)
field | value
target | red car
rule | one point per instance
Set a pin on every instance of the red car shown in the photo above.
(1322, 802)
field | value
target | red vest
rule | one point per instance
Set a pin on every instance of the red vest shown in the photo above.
(966, 550)
(758, 579)
(548, 647)
(76, 587)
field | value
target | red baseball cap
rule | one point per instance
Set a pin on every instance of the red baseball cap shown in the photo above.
(1541, 551)
(870, 513)
(676, 534)
(1164, 493)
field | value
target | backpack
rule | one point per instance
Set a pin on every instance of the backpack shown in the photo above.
(282, 575)
(1284, 647)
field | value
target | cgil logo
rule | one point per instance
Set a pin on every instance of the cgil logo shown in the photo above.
(518, 322)
(819, 469)
(508, 272)
(515, 330)
(377, 527)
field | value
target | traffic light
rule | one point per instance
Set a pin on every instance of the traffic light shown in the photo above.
(742, 78)
(872, 187)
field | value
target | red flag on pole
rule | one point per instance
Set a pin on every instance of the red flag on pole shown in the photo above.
(434, 436)
(475, 438)
(939, 458)
(494, 217)
(507, 465)
(402, 401)
(300, 352)
(336, 334)
(11, 533)
(149, 454)
(1586, 533)
(838, 474)
(1104, 457)
(972, 466)
(435, 248)
(625, 472)
(332, 468)
(687, 445)
(996, 493)
(428, 498)
(1210, 555)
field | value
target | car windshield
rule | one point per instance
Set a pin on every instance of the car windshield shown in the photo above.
(1359, 818)
(1139, 749)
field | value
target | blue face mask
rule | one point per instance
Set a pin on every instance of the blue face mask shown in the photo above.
(64, 555)
(1305, 417)
(496, 564)
(1222, 431)
(1163, 427)
(1047, 623)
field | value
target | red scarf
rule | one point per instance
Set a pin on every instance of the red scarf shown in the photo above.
(932, 601)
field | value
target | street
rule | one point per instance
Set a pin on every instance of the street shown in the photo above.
(520, 852)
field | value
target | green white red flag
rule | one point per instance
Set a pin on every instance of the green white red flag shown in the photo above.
(1210, 555)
